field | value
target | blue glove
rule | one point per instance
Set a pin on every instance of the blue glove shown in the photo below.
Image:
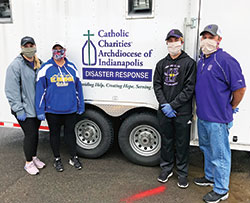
(168, 111)
(21, 117)
(236, 110)
(171, 115)
(41, 117)
(79, 112)
(229, 125)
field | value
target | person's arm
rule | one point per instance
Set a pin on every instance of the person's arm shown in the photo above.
(189, 86)
(235, 79)
(13, 89)
(41, 87)
(158, 85)
(237, 97)
(79, 94)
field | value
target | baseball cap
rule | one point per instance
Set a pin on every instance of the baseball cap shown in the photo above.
(212, 29)
(26, 40)
(60, 43)
(174, 33)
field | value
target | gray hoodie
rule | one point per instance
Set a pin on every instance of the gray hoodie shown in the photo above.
(20, 87)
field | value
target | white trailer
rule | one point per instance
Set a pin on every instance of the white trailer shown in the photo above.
(116, 45)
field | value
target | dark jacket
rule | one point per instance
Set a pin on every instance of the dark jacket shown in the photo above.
(174, 82)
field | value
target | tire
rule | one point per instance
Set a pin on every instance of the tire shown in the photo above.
(139, 139)
(94, 134)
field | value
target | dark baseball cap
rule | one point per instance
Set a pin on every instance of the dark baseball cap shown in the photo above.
(212, 29)
(26, 40)
(174, 33)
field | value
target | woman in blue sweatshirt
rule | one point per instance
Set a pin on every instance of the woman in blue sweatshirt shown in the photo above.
(59, 97)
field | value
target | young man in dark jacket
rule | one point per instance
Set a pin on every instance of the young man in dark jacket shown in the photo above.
(174, 84)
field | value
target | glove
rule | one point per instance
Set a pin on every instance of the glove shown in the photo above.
(168, 111)
(171, 115)
(21, 117)
(235, 110)
(79, 112)
(229, 125)
(41, 117)
(166, 108)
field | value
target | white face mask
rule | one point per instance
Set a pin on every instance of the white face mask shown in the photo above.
(174, 48)
(208, 46)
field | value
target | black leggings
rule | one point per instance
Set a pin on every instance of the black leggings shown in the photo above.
(55, 121)
(30, 128)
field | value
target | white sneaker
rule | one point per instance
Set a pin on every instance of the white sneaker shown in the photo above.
(31, 168)
(39, 164)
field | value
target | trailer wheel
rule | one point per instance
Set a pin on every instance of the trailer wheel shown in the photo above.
(94, 134)
(140, 140)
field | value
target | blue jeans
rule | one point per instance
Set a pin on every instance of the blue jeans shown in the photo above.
(214, 143)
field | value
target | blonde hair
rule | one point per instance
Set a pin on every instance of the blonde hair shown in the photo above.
(37, 63)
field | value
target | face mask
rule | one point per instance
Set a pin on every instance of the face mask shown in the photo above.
(58, 54)
(29, 52)
(208, 46)
(174, 48)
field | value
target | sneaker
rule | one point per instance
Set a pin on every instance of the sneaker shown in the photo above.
(213, 197)
(58, 165)
(75, 162)
(182, 182)
(39, 164)
(203, 182)
(31, 168)
(164, 176)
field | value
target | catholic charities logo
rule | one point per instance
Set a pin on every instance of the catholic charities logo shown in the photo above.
(88, 50)
(111, 56)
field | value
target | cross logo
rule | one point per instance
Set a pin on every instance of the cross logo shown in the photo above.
(89, 55)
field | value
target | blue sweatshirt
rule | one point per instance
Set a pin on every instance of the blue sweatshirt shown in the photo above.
(58, 89)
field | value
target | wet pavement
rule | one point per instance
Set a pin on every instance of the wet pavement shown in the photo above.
(111, 178)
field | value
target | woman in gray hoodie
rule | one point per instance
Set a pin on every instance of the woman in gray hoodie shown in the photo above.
(20, 92)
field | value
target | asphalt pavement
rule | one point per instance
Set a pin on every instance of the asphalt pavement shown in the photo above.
(111, 178)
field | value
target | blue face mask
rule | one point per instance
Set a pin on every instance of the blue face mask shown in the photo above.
(58, 54)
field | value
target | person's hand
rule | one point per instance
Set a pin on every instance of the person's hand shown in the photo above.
(41, 117)
(79, 112)
(229, 125)
(168, 111)
(21, 117)
(171, 114)
(236, 110)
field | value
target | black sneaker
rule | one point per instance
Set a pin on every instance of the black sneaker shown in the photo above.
(203, 182)
(182, 182)
(75, 162)
(58, 165)
(213, 197)
(163, 177)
